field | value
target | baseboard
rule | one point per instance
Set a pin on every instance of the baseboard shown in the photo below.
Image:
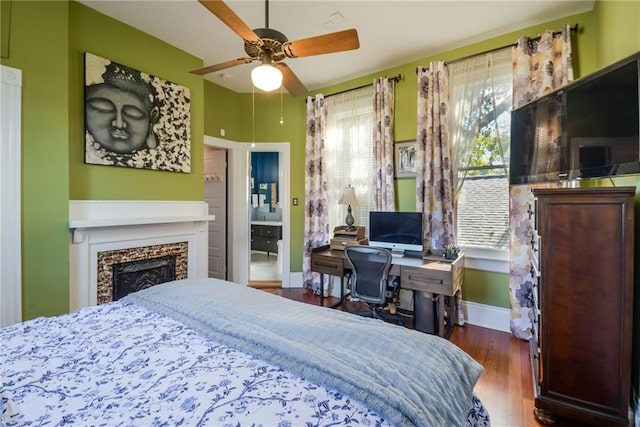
(486, 316)
(295, 280)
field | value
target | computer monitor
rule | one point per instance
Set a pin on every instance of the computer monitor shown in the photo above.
(397, 231)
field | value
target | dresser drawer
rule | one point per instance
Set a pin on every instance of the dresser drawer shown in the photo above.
(428, 280)
(269, 245)
(272, 231)
(328, 265)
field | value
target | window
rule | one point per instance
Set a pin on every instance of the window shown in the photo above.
(349, 153)
(480, 125)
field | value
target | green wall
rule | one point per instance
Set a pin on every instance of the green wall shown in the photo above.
(47, 40)
(93, 32)
(223, 110)
(618, 32)
(39, 38)
(486, 287)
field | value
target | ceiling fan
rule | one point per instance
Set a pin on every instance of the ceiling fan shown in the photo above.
(271, 47)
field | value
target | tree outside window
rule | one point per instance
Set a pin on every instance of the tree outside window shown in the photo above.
(481, 121)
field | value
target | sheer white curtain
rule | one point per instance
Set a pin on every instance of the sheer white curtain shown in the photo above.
(349, 153)
(474, 84)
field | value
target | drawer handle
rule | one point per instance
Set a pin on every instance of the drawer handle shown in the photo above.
(421, 279)
(327, 265)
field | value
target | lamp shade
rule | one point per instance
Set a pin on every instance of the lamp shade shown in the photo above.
(348, 197)
(266, 77)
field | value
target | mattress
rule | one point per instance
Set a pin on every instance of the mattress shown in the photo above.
(130, 363)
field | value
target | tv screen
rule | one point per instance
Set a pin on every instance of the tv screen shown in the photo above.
(398, 231)
(587, 129)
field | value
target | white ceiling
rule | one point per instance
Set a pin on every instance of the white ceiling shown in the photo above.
(391, 32)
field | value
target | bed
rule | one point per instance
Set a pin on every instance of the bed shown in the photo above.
(208, 352)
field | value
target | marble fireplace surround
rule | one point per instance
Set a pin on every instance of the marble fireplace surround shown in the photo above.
(97, 226)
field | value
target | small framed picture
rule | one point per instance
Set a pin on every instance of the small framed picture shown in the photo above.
(405, 159)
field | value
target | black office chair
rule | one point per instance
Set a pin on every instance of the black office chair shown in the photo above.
(369, 280)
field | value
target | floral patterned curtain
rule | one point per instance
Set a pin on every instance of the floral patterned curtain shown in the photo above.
(540, 66)
(434, 172)
(316, 224)
(383, 196)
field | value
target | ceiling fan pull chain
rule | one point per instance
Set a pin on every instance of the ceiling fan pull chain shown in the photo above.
(253, 116)
(281, 113)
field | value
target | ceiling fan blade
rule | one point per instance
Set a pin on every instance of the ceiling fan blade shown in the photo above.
(222, 66)
(319, 45)
(231, 20)
(290, 81)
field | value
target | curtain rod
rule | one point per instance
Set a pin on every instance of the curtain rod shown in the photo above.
(453, 61)
(394, 78)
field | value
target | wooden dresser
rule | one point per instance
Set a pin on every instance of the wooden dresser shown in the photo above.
(583, 304)
(265, 237)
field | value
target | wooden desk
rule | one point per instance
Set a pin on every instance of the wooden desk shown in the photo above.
(432, 275)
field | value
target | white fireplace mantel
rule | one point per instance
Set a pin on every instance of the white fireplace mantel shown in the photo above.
(106, 225)
(79, 228)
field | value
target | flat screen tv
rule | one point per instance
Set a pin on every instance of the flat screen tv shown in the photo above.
(587, 129)
(397, 231)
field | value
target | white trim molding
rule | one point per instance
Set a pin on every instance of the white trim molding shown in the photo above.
(486, 259)
(487, 316)
(106, 225)
(238, 199)
(10, 196)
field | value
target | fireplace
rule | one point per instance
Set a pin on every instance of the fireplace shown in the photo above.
(123, 271)
(133, 276)
(108, 237)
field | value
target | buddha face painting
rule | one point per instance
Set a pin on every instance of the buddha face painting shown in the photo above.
(117, 119)
(134, 119)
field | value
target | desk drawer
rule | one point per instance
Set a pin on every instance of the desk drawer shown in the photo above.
(328, 265)
(422, 279)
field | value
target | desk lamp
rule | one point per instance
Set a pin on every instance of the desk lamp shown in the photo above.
(349, 198)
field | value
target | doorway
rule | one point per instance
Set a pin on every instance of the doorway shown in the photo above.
(265, 219)
(238, 239)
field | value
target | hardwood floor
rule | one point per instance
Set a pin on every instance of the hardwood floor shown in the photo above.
(505, 386)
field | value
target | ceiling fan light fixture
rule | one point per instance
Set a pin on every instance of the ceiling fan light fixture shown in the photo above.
(266, 77)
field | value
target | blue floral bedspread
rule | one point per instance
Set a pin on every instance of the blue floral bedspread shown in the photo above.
(120, 364)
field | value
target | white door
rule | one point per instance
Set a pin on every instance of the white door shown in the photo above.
(215, 194)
